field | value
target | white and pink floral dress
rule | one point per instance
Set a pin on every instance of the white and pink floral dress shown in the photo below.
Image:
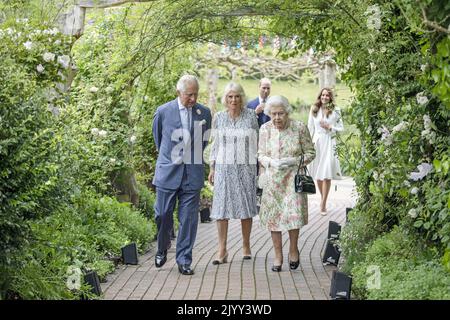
(282, 208)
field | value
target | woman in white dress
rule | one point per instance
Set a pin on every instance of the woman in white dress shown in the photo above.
(323, 123)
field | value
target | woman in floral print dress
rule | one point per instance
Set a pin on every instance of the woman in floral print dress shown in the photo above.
(282, 142)
(233, 168)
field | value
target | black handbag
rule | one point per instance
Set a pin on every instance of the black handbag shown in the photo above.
(304, 183)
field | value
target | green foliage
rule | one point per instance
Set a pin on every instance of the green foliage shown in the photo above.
(30, 185)
(146, 202)
(127, 64)
(83, 236)
(408, 270)
(355, 238)
(206, 196)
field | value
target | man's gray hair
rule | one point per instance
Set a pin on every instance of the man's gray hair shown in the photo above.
(236, 87)
(184, 80)
(277, 101)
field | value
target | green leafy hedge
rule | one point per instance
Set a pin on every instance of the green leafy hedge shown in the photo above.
(407, 270)
(87, 236)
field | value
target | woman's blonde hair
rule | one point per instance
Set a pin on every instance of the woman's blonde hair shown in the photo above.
(328, 108)
(236, 87)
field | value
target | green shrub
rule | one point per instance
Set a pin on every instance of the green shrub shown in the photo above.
(83, 236)
(363, 227)
(114, 224)
(408, 269)
(30, 101)
(147, 200)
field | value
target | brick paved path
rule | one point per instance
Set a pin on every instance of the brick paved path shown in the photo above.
(240, 279)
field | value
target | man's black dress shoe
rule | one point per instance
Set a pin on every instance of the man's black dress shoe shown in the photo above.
(160, 259)
(185, 269)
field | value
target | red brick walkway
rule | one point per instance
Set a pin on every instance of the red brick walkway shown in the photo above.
(240, 279)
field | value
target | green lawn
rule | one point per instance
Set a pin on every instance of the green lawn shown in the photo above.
(300, 94)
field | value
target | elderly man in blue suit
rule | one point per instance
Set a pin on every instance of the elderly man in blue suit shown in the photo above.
(258, 104)
(181, 131)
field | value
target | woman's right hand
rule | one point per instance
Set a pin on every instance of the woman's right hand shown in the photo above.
(211, 177)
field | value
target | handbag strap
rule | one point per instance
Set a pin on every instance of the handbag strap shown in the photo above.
(302, 161)
(300, 165)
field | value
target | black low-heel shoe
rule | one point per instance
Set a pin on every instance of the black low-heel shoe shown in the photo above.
(294, 264)
(276, 268)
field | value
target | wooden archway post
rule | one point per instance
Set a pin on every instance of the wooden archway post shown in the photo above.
(327, 73)
(72, 21)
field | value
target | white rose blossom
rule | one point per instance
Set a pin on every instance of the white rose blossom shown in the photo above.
(424, 170)
(48, 56)
(400, 127)
(109, 89)
(133, 139)
(422, 99)
(427, 122)
(415, 190)
(386, 136)
(64, 61)
(428, 133)
(95, 131)
(412, 213)
(93, 89)
(373, 17)
(102, 133)
(28, 45)
(40, 68)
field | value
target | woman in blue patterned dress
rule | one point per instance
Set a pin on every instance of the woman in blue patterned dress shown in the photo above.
(233, 168)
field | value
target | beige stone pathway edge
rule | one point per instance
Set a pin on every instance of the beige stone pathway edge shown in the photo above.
(240, 279)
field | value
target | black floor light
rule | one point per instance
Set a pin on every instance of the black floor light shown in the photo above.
(332, 253)
(129, 254)
(334, 230)
(341, 285)
(91, 278)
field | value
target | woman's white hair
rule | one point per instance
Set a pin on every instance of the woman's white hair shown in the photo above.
(236, 87)
(184, 80)
(277, 101)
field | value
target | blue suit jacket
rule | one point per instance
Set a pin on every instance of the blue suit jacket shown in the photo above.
(175, 155)
(262, 118)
